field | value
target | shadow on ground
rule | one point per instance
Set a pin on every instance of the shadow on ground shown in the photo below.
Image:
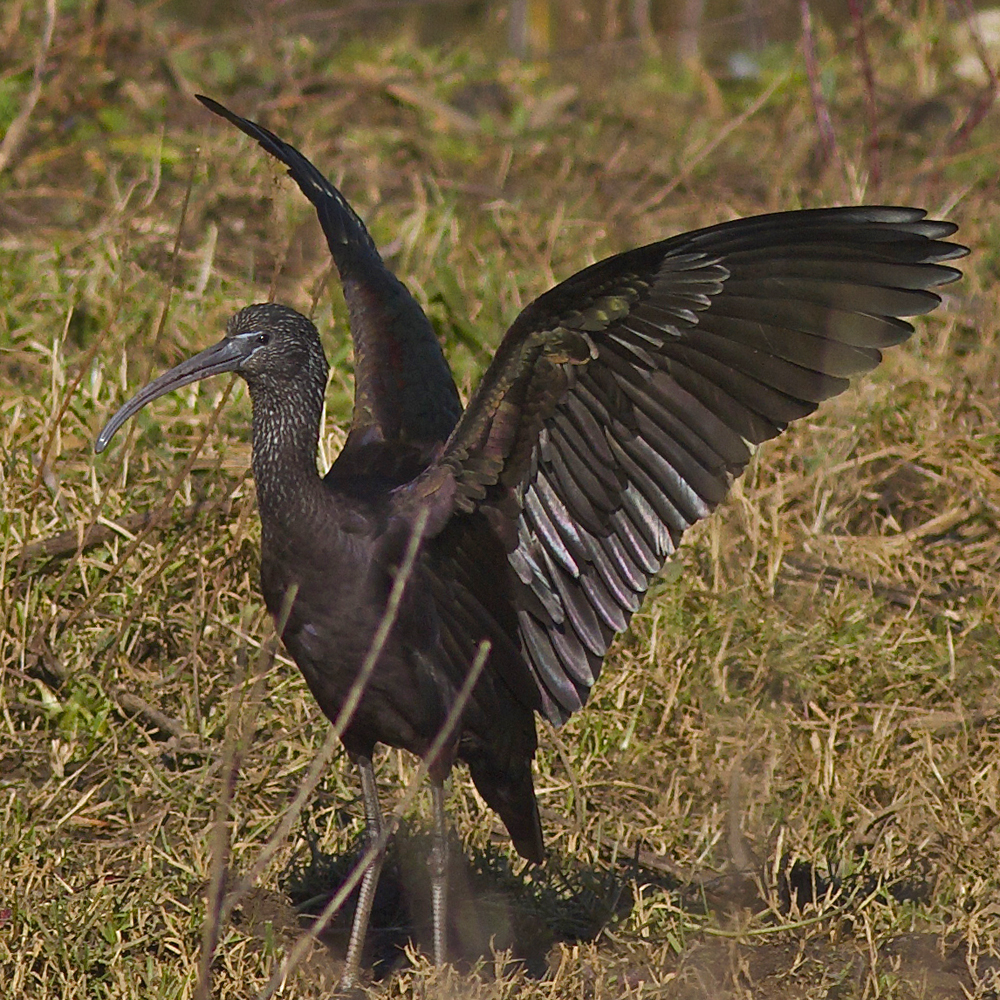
(524, 913)
(492, 907)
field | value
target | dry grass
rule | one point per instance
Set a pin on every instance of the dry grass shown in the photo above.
(787, 783)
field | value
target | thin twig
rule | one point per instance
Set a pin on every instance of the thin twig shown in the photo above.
(39, 653)
(330, 744)
(986, 99)
(19, 126)
(794, 925)
(174, 254)
(43, 461)
(219, 909)
(828, 141)
(235, 746)
(219, 848)
(579, 810)
(26, 552)
(905, 597)
(159, 515)
(861, 43)
(703, 153)
(454, 714)
(977, 497)
(135, 705)
(85, 536)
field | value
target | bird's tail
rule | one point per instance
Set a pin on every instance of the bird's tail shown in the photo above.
(510, 791)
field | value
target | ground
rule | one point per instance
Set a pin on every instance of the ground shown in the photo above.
(787, 781)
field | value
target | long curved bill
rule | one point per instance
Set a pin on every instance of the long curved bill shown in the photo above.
(225, 356)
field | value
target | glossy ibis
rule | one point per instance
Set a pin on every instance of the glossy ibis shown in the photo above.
(618, 409)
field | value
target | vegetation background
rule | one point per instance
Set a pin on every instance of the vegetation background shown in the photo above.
(787, 782)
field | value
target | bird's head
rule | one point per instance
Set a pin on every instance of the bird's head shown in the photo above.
(274, 348)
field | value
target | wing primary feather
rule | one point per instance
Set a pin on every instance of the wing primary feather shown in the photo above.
(856, 329)
(548, 666)
(647, 554)
(567, 437)
(620, 548)
(611, 572)
(647, 522)
(548, 532)
(536, 580)
(766, 400)
(578, 612)
(633, 456)
(574, 657)
(744, 421)
(582, 419)
(696, 429)
(559, 516)
(605, 603)
(708, 486)
(833, 357)
(571, 492)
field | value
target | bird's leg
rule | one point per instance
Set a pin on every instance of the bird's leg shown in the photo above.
(369, 881)
(439, 874)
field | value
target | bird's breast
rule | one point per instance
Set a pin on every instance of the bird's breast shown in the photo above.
(331, 600)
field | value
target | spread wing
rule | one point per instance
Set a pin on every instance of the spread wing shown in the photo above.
(621, 404)
(403, 385)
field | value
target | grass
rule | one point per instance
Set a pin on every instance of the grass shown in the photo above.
(787, 781)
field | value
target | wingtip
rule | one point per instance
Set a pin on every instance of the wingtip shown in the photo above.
(221, 110)
(210, 103)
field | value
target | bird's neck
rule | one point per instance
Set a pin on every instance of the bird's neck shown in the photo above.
(285, 439)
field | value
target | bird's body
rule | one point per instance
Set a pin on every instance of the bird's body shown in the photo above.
(616, 412)
(343, 580)
(337, 541)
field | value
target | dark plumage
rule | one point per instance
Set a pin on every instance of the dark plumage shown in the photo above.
(618, 409)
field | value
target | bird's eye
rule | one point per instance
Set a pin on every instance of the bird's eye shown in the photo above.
(263, 338)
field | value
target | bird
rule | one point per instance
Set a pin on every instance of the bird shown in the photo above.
(618, 409)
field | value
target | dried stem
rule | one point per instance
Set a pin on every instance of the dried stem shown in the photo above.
(828, 141)
(19, 126)
(454, 714)
(981, 106)
(861, 42)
